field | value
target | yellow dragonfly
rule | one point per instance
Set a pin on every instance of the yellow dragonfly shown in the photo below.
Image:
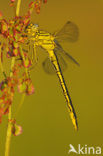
(50, 43)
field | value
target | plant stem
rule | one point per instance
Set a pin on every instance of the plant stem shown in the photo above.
(8, 137)
(18, 7)
(1, 65)
(20, 104)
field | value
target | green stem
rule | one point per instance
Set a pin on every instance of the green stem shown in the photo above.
(18, 7)
(20, 104)
(8, 137)
(23, 57)
(9, 129)
(1, 65)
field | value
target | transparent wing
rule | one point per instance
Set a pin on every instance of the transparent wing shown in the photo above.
(60, 50)
(48, 66)
(69, 32)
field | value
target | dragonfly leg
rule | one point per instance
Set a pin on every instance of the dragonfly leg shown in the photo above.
(34, 54)
(34, 58)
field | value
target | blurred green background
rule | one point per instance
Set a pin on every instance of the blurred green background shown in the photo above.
(47, 128)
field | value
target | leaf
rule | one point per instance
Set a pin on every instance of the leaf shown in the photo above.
(30, 89)
(1, 16)
(27, 63)
(16, 129)
(22, 87)
(44, 1)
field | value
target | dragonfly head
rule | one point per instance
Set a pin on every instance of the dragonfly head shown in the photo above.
(32, 29)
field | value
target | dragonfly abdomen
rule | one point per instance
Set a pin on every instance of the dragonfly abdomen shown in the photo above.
(56, 65)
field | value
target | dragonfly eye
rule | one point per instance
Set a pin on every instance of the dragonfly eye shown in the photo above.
(31, 28)
(35, 25)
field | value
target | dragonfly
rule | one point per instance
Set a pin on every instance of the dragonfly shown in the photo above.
(55, 62)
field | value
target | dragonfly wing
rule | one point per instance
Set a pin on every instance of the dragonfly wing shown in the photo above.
(59, 49)
(69, 32)
(49, 68)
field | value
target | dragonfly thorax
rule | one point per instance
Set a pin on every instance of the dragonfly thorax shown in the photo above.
(45, 40)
